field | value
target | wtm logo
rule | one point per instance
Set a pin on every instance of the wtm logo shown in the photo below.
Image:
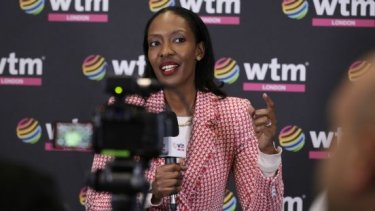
(156, 5)
(29, 130)
(83, 195)
(230, 201)
(13, 70)
(281, 74)
(295, 9)
(293, 203)
(227, 70)
(211, 11)
(292, 138)
(69, 10)
(336, 13)
(95, 67)
(359, 69)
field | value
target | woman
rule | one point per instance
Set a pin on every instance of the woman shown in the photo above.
(219, 129)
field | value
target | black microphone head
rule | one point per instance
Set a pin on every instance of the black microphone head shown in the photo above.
(170, 124)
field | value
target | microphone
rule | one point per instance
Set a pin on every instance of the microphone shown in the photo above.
(170, 123)
(173, 202)
(173, 148)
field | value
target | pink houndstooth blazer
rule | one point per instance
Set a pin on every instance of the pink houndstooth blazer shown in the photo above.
(223, 140)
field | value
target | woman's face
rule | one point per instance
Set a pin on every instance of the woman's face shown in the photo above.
(172, 50)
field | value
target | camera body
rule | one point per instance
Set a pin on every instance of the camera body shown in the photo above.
(123, 131)
(120, 129)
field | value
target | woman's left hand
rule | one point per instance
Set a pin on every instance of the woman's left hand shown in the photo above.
(265, 126)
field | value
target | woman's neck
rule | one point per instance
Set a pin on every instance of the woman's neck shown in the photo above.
(177, 105)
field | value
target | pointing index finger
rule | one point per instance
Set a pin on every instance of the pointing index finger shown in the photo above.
(269, 101)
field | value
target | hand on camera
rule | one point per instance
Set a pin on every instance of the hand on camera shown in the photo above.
(168, 180)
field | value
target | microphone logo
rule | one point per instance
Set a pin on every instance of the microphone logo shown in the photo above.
(179, 147)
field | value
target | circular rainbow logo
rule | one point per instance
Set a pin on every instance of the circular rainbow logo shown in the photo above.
(94, 67)
(29, 130)
(230, 201)
(295, 9)
(156, 5)
(358, 69)
(227, 70)
(33, 7)
(83, 196)
(292, 138)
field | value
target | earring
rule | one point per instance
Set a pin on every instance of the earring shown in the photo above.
(199, 58)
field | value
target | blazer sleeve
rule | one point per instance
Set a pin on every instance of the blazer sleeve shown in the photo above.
(256, 192)
(98, 201)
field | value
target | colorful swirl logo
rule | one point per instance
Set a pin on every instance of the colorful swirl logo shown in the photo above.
(83, 195)
(32, 7)
(358, 69)
(156, 5)
(29, 130)
(292, 138)
(94, 67)
(295, 9)
(227, 70)
(230, 201)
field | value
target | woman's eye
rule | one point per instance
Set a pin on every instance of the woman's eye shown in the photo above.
(153, 43)
(180, 40)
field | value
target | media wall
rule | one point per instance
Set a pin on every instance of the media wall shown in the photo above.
(55, 54)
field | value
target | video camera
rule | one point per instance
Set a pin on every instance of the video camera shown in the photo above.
(118, 122)
(123, 131)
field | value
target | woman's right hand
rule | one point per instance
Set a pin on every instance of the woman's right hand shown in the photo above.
(168, 180)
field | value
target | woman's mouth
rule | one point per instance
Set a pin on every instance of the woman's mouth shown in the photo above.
(168, 68)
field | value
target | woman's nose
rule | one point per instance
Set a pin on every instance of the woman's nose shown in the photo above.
(166, 50)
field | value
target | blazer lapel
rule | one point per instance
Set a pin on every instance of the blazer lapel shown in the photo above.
(201, 145)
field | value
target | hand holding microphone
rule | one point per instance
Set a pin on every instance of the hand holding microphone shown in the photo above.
(168, 180)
